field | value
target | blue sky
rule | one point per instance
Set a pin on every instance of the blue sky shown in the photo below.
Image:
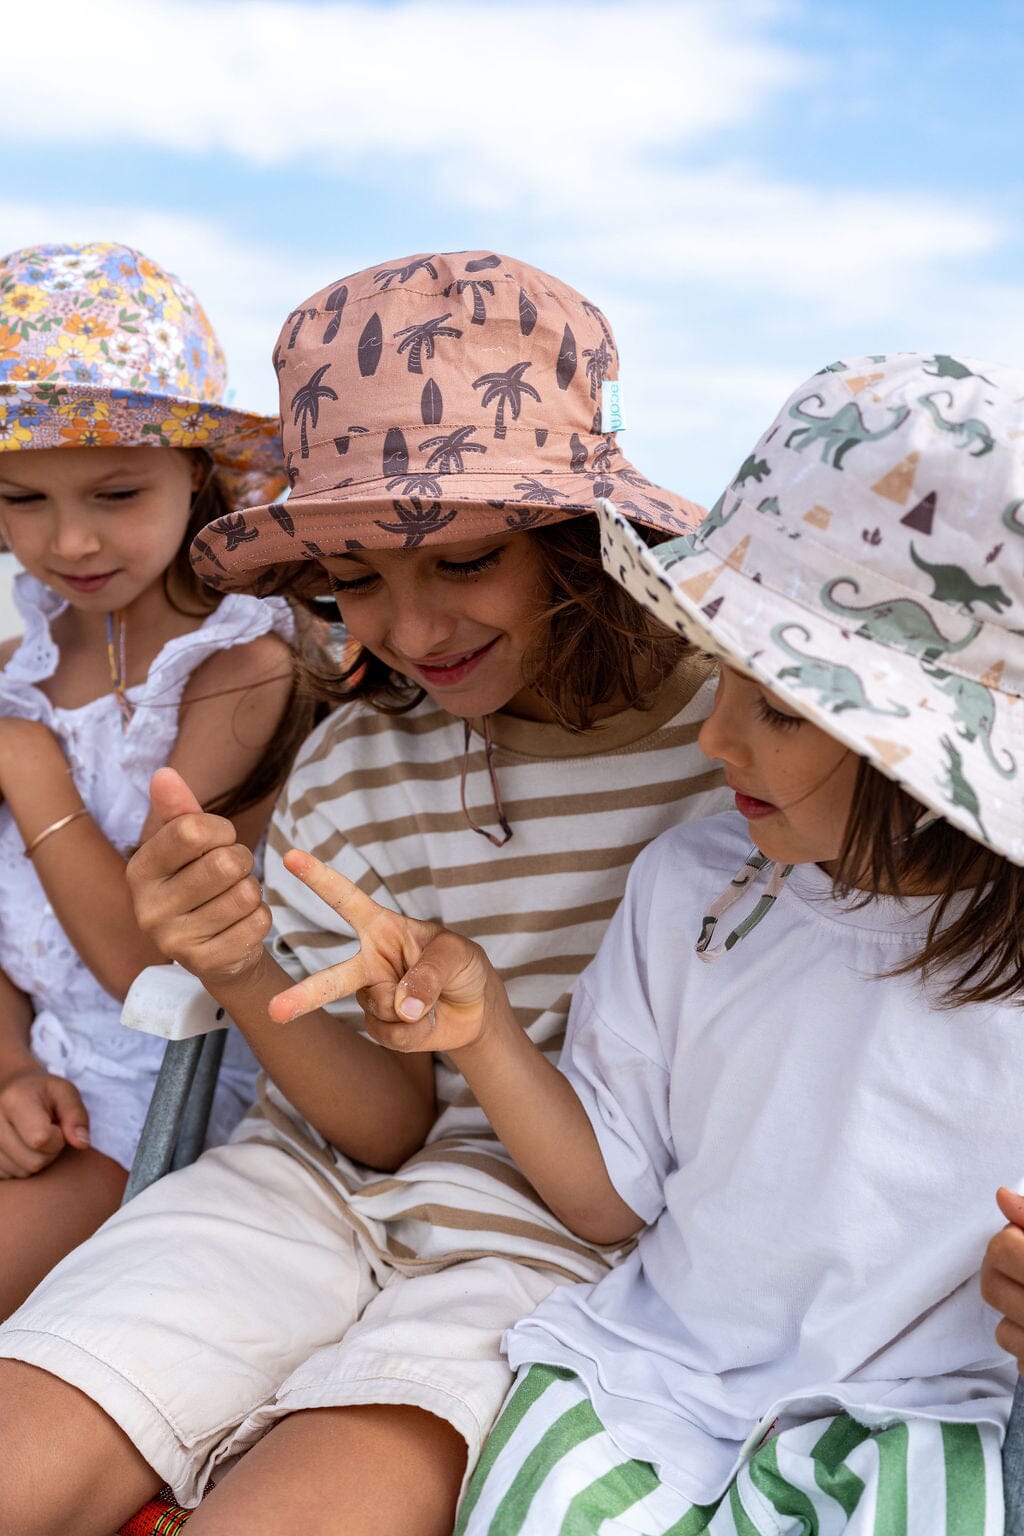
(748, 188)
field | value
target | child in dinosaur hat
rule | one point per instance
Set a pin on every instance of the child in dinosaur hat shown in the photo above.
(513, 728)
(806, 1134)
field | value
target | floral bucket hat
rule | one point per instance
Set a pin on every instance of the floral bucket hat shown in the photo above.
(867, 564)
(439, 397)
(100, 347)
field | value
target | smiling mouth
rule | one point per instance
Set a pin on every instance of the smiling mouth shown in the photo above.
(454, 670)
(94, 579)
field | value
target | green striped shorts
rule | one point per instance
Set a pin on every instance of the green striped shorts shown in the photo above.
(550, 1468)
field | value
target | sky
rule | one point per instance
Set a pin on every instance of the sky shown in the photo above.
(749, 189)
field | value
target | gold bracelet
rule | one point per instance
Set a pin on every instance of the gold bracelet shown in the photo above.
(55, 826)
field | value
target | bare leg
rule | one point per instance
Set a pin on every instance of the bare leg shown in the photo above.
(359, 1471)
(44, 1217)
(66, 1469)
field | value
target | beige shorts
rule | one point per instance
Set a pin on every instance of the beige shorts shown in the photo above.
(233, 1293)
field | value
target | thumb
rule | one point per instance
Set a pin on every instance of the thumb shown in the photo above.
(171, 796)
(1011, 1205)
(69, 1112)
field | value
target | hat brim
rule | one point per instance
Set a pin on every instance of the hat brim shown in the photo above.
(866, 694)
(245, 446)
(277, 547)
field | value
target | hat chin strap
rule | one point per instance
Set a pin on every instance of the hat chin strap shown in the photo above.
(755, 862)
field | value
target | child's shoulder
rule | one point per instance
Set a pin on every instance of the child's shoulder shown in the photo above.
(692, 863)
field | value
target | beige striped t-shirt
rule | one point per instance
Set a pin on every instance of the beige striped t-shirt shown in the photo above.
(378, 797)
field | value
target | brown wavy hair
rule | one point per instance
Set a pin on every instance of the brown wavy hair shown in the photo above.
(307, 702)
(977, 954)
(594, 643)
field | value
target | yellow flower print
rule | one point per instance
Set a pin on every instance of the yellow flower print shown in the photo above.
(23, 301)
(12, 433)
(87, 409)
(10, 341)
(188, 424)
(74, 349)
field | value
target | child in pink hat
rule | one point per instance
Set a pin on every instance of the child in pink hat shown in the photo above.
(512, 729)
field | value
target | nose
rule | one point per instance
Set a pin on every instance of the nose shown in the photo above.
(421, 622)
(73, 535)
(721, 736)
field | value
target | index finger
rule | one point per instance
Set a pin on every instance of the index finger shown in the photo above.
(327, 986)
(336, 890)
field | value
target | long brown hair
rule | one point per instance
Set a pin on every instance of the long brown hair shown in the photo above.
(594, 643)
(977, 954)
(306, 702)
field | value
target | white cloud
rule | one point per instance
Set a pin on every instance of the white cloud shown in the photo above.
(498, 101)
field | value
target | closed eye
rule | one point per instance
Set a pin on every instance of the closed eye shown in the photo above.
(470, 567)
(775, 717)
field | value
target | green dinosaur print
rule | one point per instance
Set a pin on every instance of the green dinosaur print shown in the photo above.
(770, 504)
(953, 585)
(957, 789)
(973, 714)
(973, 434)
(1010, 518)
(899, 622)
(838, 687)
(841, 433)
(947, 367)
(674, 550)
(751, 469)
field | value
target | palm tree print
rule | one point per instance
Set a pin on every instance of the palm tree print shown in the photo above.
(508, 390)
(526, 517)
(448, 450)
(420, 339)
(416, 521)
(235, 531)
(595, 314)
(478, 287)
(387, 275)
(298, 318)
(533, 490)
(414, 483)
(598, 361)
(306, 405)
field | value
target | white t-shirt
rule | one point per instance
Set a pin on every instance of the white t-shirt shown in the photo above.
(817, 1152)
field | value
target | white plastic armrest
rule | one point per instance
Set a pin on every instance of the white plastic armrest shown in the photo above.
(166, 1000)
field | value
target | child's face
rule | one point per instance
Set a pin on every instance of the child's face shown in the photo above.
(98, 525)
(793, 782)
(458, 619)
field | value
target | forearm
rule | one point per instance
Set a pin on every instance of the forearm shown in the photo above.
(373, 1105)
(539, 1119)
(81, 872)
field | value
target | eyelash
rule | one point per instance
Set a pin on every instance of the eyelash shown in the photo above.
(462, 571)
(775, 717)
(26, 501)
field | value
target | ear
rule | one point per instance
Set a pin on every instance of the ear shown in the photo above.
(202, 469)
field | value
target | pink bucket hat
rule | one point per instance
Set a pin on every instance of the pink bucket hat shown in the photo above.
(439, 397)
(100, 347)
(867, 564)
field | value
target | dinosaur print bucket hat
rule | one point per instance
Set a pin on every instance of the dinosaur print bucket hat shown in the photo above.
(867, 564)
(437, 398)
(100, 347)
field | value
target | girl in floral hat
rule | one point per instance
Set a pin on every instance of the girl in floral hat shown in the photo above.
(514, 728)
(115, 447)
(807, 1133)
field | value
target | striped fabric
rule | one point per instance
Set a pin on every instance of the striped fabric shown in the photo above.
(162, 1516)
(378, 797)
(551, 1469)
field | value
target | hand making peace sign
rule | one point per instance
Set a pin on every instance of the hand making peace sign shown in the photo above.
(420, 986)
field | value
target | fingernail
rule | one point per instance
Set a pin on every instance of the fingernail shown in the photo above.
(412, 1009)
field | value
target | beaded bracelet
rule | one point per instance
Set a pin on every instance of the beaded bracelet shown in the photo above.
(55, 826)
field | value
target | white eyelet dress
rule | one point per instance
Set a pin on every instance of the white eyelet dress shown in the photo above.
(77, 1031)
